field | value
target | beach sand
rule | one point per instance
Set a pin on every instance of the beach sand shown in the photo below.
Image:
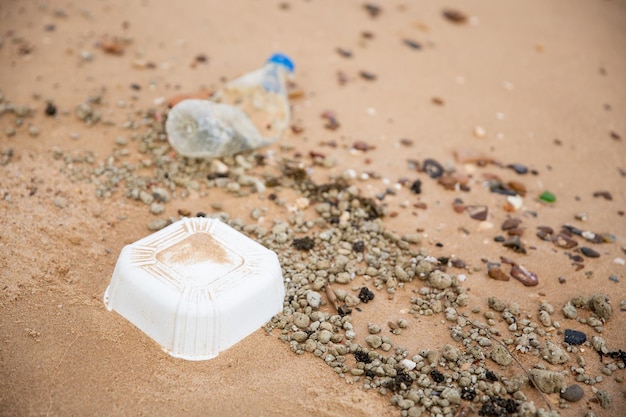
(535, 83)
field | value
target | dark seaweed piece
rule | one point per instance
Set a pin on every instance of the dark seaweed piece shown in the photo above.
(361, 356)
(305, 243)
(437, 376)
(366, 295)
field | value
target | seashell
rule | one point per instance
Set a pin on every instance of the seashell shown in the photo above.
(205, 129)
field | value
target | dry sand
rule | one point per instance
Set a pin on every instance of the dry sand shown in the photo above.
(544, 79)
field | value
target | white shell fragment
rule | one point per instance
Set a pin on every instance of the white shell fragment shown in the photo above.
(196, 287)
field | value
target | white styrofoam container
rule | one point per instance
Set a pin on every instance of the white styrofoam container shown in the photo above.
(196, 287)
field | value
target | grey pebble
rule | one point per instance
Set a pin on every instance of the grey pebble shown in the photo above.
(604, 398)
(500, 355)
(156, 208)
(440, 280)
(548, 381)
(374, 341)
(314, 299)
(301, 320)
(157, 224)
(554, 354)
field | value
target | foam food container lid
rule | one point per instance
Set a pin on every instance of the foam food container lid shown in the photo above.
(196, 287)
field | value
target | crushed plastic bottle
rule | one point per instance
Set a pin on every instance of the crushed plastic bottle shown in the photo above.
(250, 112)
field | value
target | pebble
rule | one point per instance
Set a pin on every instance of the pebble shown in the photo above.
(313, 298)
(573, 393)
(553, 354)
(156, 208)
(301, 320)
(604, 398)
(440, 280)
(548, 381)
(500, 355)
(569, 311)
(600, 305)
(524, 276)
(589, 253)
(374, 341)
(574, 337)
(157, 224)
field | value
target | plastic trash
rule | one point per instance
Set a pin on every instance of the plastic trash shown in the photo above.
(196, 287)
(249, 112)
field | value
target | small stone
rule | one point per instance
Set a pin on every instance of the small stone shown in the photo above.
(157, 224)
(496, 304)
(313, 298)
(524, 276)
(589, 253)
(480, 132)
(548, 381)
(455, 16)
(432, 168)
(574, 337)
(554, 354)
(573, 393)
(324, 336)
(604, 398)
(569, 311)
(440, 280)
(510, 223)
(518, 168)
(301, 320)
(599, 304)
(374, 341)
(498, 274)
(500, 355)
(156, 208)
(451, 353)
(478, 212)
(373, 328)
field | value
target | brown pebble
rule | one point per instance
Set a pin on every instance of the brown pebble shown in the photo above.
(545, 233)
(515, 231)
(458, 205)
(478, 212)
(518, 187)
(367, 75)
(359, 145)
(524, 276)
(455, 16)
(497, 274)
(562, 240)
(437, 101)
(458, 263)
(184, 212)
(510, 223)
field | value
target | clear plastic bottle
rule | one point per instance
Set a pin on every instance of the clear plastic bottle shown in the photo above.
(249, 112)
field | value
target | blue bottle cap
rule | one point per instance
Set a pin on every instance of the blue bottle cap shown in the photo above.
(282, 59)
